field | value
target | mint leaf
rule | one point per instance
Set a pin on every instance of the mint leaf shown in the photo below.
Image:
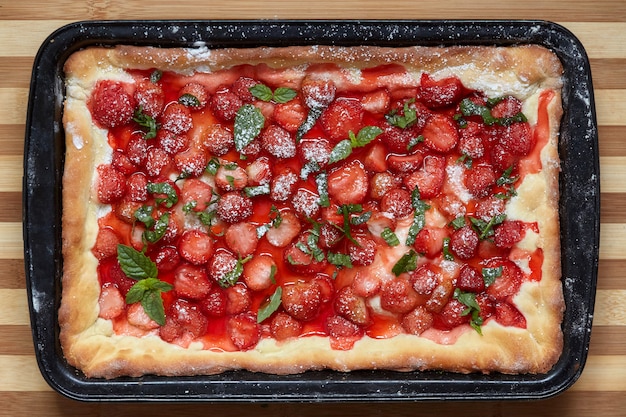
(262, 92)
(491, 274)
(390, 237)
(311, 117)
(152, 304)
(408, 117)
(144, 215)
(280, 95)
(408, 262)
(339, 259)
(165, 188)
(160, 227)
(231, 277)
(147, 122)
(321, 180)
(248, 124)
(135, 264)
(268, 309)
(155, 76)
(365, 136)
(447, 255)
(419, 216)
(341, 151)
(284, 94)
(189, 100)
(473, 308)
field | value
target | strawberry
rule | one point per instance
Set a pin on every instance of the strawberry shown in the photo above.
(241, 87)
(440, 93)
(403, 164)
(231, 177)
(284, 326)
(425, 279)
(238, 299)
(348, 184)
(315, 150)
(167, 258)
(318, 93)
(195, 247)
(278, 142)
(175, 227)
(110, 302)
(111, 184)
(218, 140)
(305, 204)
(382, 182)
(429, 178)
(157, 161)
(289, 115)
(196, 194)
(106, 243)
(342, 116)
(508, 315)
(193, 95)
(259, 172)
(176, 118)
(470, 280)
(440, 133)
(122, 163)
(327, 287)
(379, 221)
(300, 259)
(429, 241)
(125, 210)
(137, 187)
(252, 150)
(508, 233)
(183, 318)
(302, 300)
(375, 158)
(258, 272)
(362, 254)
(111, 104)
(417, 321)
(464, 242)
(137, 316)
(329, 237)
(451, 206)
(136, 150)
(170, 142)
(283, 185)
(376, 102)
(110, 272)
(191, 282)
(397, 203)
(517, 138)
(398, 140)
(342, 332)
(490, 207)
(508, 283)
(214, 304)
(366, 284)
(451, 315)
(352, 306)
(509, 106)
(221, 263)
(398, 296)
(233, 207)
(282, 235)
(440, 296)
(191, 162)
(242, 238)
(487, 305)
(502, 158)
(224, 104)
(150, 98)
(472, 139)
(243, 331)
(480, 179)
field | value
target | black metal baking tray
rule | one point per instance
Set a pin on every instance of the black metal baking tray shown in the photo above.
(579, 211)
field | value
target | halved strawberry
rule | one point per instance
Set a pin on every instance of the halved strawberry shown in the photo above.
(472, 139)
(150, 98)
(183, 319)
(364, 252)
(137, 187)
(306, 204)
(238, 299)
(283, 326)
(218, 140)
(429, 178)
(425, 279)
(490, 207)
(233, 207)
(508, 315)
(366, 284)
(343, 333)
(278, 142)
(417, 321)
(440, 296)
(231, 177)
(283, 185)
(440, 133)
(259, 172)
(508, 283)
(398, 296)
(502, 158)
(451, 315)
(382, 182)
(196, 194)
(106, 243)
(342, 116)
(241, 87)
(480, 179)
(352, 306)
(318, 93)
(137, 149)
(110, 302)
(214, 304)
(464, 242)
(440, 93)
(315, 150)
(191, 281)
(224, 104)
(167, 258)
(300, 259)
(302, 300)
(125, 210)
(192, 161)
(170, 142)
(193, 95)
(242, 238)
(289, 115)
(327, 287)
(375, 158)
(121, 162)
(195, 246)
(348, 184)
(403, 164)
(509, 106)
(244, 331)
(111, 104)
(282, 235)
(111, 184)
(259, 272)
(517, 138)
(157, 160)
(397, 203)
(509, 233)
(470, 280)
(379, 221)
(329, 237)
(176, 118)
(137, 316)
(429, 241)
(376, 101)
(221, 263)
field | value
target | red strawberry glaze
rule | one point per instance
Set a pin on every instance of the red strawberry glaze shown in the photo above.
(380, 175)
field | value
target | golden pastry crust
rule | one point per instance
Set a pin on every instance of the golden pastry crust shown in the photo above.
(89, 342)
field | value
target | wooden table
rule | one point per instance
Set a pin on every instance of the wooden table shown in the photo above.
(601, 26)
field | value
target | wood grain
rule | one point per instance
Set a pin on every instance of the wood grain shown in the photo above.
(599, 25)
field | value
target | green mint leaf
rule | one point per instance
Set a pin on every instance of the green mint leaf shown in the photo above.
(361, 219)
(414, 142)
(458, 223)
(469, 108)
(505, 178)
(135, 264)
(473, 308)
(262, 92)
(268, 309)
(257, 190)
(491, 274)
(248, 124)
(485, 229)
(390, 237)
(189, 100)
(147, 122)
(231, 277)
(447, 254)
(408, 117)
(152, 304)
(309, 168)
(144, 215)
(311, 118)
(339, 259)
(407, 263)
(165, 188)
(419, 221)
(284, 94)
(365, 136)
(321, 180)
(135, 293)
(160, 227)
(213, 166)
(155, 76)
(341, 151)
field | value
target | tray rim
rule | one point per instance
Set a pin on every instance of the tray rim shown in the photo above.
(317, 389)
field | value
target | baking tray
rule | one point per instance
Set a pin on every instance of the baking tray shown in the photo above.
(579, 211)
